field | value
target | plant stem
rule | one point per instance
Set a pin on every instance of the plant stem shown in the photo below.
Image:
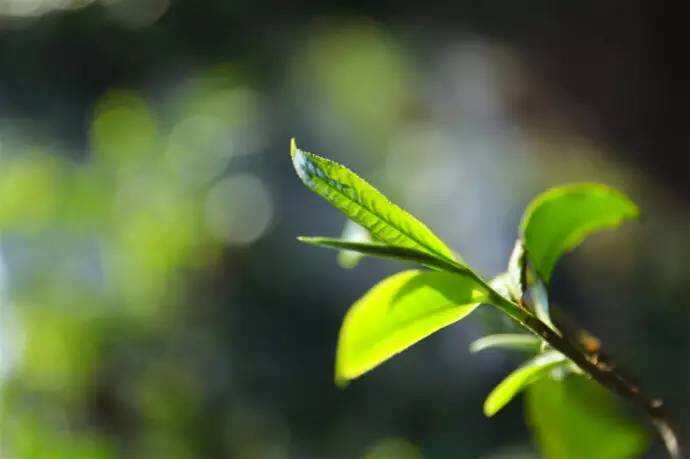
(602, 372)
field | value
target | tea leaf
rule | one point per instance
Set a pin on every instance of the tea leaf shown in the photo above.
(576, 418)
(516, 281)
(365, 205)
(529, 372)
(538, 300)
(398, 312)
(559, 219)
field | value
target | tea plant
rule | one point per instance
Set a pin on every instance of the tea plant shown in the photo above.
(409, 306)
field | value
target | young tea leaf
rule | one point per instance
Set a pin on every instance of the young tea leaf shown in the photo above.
(365, 205)
(529, 372)
(511, 341)
(376, 249)
(500, 285)
(577, 418)
(398, 312)
(517, 272)
(559, 219)
(538, 299)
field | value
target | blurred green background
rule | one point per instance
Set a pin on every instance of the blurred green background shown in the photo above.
(154, 302)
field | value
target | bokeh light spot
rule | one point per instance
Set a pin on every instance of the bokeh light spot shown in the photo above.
(123, 128)
(393, 448)
(199, 148)
(238, 209)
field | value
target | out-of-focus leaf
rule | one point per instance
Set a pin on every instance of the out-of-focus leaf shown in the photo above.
(393, 448)
(577, 418)
(123, 132)
(30, 435)
(512, 341)
(31, 189)
(529, 372)
(348, 259)
(398, 312)
(560, 218)
(376, 249)
(365, 205)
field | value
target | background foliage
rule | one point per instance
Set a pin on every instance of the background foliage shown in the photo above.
(153, 300)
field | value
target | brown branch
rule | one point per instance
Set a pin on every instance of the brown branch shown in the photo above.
(607, 375)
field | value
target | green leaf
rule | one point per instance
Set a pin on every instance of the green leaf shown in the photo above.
(513, 341)
(559, 219)
(398, 312)
(365, 205)
(577, 418)
(529, 372)
(348, 259)
(376, 249)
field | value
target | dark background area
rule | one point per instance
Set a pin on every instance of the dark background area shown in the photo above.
(620, 62)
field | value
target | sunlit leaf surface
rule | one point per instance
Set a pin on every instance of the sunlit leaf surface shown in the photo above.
(559, 219)
(398, 312)
(576, 418)
(521, 378)
(365, 205)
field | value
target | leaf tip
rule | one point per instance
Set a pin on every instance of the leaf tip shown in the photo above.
(301, 162)
(477, 345)
(310, 240)
(341, 382)
(340, 378)
(293, 147)
(489, 408)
